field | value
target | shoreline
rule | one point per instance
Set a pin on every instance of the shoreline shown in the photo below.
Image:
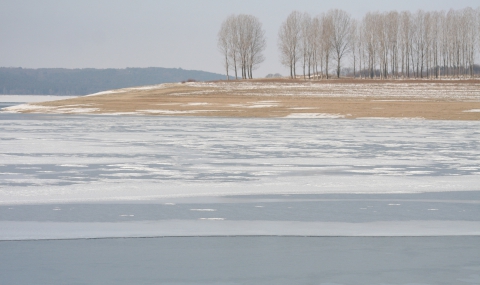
(347, 99)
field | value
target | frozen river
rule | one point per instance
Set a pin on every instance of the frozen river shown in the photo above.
(45, 158)
(382, 201)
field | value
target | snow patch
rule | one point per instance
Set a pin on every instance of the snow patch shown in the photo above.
(213, 219)
(204, 210)
(74, 110)
(314, 116)
(47, 109)
(25, 108)
(32, 98)
(169, 112)
(198, 104)
(140, 88)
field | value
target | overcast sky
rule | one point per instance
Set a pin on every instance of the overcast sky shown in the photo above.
(144, 33)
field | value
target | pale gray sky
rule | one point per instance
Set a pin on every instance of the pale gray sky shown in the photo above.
(161, 33)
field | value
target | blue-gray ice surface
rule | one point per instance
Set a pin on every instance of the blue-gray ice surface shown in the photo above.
(243, 260)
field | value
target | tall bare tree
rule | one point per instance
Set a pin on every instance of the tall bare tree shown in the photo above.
(289, 41)
(306, 42)
(317, 45)
(393, 27)
(340, 34)
(241, 40)
(224, 43)
(354, 41)
(326, 41)
(424, 44)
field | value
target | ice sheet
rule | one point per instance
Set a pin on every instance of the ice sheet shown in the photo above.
(32, 98)
(148, 157)
(221, 227)
(243, 260)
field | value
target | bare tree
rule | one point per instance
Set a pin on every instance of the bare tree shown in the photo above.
(340, 34)
(392, 27)
(370, 23)
(258, 44)
(471, 26)
(382, 39)
(306, 42)
(435, 42)
(224, 43)
(354, 40)
(316, 41)
(386, 45)
(241, 40)
(253, 43)
(405, 41)
(326, 41)
(289, 37)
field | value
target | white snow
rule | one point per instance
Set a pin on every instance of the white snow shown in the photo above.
(313, 116)
(48, 110)
(395, 118)
(212, 219)
(198, 104)
(32, 98)
(74, 110)
(140, 88)
(168, 112)
(262, 106)
(26, 107)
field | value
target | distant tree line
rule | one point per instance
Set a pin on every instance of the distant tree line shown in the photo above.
(241, 40)
(60, 81)
(384, 45)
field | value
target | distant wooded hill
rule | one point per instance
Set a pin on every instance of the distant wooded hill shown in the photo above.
(61, 81)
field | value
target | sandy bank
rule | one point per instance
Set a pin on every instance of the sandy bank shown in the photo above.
(426, 99)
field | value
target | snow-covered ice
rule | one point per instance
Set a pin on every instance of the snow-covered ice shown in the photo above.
(32, 98)
(97, 158)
